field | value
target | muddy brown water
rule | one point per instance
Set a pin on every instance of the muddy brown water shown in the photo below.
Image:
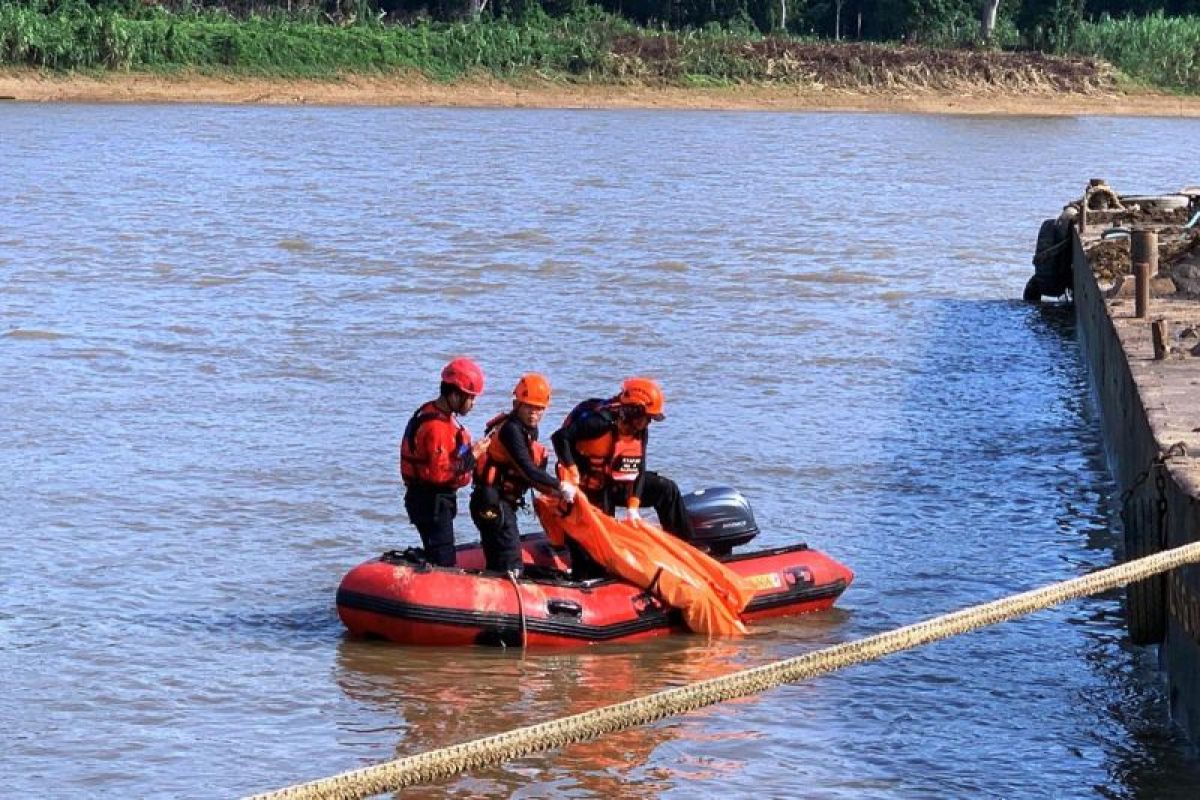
(214, 322)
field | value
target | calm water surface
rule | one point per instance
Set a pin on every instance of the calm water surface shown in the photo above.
(214, 323)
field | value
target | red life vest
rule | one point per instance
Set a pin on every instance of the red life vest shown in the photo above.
(433, 449)
(496, 467)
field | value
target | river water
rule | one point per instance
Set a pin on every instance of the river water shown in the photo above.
(215, 321)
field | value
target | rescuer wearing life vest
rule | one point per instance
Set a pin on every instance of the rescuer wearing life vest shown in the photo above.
(601, 447)
(437, 458)
(514, 462)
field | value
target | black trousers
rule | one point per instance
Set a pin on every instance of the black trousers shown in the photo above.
(661, 494)
(432, 510)
(496, 518)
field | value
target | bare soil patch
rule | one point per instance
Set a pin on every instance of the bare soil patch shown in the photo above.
(998, 95)
(864, 67)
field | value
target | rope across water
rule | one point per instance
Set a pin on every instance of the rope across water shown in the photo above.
(447, 761)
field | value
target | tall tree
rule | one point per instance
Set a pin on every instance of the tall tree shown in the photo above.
(987, 22)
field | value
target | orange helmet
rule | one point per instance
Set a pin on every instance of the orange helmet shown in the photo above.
(642, 392)
(464, 375)
(533, 390)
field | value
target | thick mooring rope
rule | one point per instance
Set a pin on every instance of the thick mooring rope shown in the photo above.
(447, 761)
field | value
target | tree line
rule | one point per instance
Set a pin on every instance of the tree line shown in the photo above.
(1037, 24)
(673, 41)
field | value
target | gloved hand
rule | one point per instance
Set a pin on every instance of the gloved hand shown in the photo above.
(570, 473)
(567, 491)
(464, 456)
(478, 447)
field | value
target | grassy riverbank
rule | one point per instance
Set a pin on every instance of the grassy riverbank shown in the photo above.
(539, 54)
(1160, 51)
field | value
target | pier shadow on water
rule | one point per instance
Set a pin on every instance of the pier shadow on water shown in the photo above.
(993, 481)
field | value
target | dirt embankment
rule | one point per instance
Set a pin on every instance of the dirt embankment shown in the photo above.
(864, 67)
(781, 75)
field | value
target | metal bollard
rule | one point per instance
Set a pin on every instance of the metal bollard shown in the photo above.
(1143, 247)
(1141, 274)
(1143, 252)
(1158, 335)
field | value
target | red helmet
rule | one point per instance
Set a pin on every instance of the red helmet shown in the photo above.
(533, 390)
(642, 392)
(464, 375)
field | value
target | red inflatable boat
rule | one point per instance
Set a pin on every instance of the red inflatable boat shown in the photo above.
(402, 598)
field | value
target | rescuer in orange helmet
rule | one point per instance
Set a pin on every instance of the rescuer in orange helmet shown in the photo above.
(514, 462)
(601, 446)
(437, 458)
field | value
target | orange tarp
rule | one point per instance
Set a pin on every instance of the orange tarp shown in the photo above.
(709, 594)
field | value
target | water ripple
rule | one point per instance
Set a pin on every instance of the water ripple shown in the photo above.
(204, 389)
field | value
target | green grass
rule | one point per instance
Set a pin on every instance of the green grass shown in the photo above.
(81, 37)
(1157, 50)
(587, 46)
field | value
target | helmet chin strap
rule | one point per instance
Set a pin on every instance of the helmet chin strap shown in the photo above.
(459, 400)
(632, 413)
(629, 420)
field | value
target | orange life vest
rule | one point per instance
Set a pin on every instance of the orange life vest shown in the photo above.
(438, 456)
(496, 467)
(610, 457)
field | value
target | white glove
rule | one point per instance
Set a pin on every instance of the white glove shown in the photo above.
(633, 515)
(567, 492)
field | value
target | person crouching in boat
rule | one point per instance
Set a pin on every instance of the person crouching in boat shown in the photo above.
(601, 446)
(513, 463)
(437, 457)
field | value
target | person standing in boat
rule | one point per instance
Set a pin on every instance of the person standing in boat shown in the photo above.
(601, 447)
(514, 462)
(437, 459)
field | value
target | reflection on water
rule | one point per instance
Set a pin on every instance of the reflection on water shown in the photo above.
(214, 323)
(508, 689)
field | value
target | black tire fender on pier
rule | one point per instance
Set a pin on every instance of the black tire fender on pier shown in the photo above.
(1145, 600)
(1051, 261)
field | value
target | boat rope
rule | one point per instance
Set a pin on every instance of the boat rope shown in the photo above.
(490, 750)
(512, 578)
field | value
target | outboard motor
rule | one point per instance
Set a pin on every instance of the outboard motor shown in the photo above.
(721, 517)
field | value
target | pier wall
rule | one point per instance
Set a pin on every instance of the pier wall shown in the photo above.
(1145, 407)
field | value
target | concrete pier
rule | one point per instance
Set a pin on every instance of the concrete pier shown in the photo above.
(1150, 406)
